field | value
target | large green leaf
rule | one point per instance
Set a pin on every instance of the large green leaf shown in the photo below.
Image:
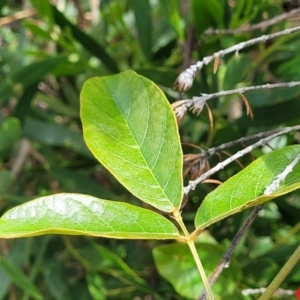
(84, 215)
(175, 263)
(130, 127)
(247, 188)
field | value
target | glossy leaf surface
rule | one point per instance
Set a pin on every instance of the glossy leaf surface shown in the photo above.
(246, 189)
(130, 127)
(77, 214)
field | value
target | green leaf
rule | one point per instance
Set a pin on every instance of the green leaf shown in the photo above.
(96, 285)
(143, 20)
(86, 41)
(76, 181)
(172, 14)
(56, 105)
(205, 13)
(55, 280)
(246, 189)
(6, 179)
(20, 279)
(236, 71)
(26, 76)
(55, 135)
(84, 215)
(269, 98)
(10, 132)
(44, 9)
(175, 263)
(130, 127)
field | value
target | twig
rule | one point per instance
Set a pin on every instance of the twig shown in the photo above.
(23, 151)
(198, 100)
(17, 16)
(278, 292)
(185, 79)
(197, 103)
(262, 25)
(260, 135)
(227, 256)
(189, 47)
(95, 12)
(192, 184)
(286, 269)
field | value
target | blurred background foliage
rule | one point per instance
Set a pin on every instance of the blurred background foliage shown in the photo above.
(49, 48)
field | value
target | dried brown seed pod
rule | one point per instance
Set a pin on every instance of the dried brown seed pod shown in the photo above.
(184, 81)
(195, 165)
(180, 108)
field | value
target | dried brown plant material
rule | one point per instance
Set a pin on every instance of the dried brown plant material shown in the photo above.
(210, 117)
(197, 106)
(194, 165)
(184, 81)
(237, 161)
(248, 107)
(180, 108)
(216, 64)
(214, 181)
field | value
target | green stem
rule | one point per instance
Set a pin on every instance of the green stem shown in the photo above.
(194, 252)
(286, 269)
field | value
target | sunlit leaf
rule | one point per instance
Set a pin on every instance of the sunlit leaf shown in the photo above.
(130, 127)
(84, 215)
(246, 189)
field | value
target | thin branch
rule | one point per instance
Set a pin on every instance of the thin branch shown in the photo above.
(262, 25)
(195, 101)
(17, 16)
(260, 135)
(192, 184)
(227, 256)
(95, 12)
(242, 231)
(185, 79)
(278, 292)
(283, 273)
